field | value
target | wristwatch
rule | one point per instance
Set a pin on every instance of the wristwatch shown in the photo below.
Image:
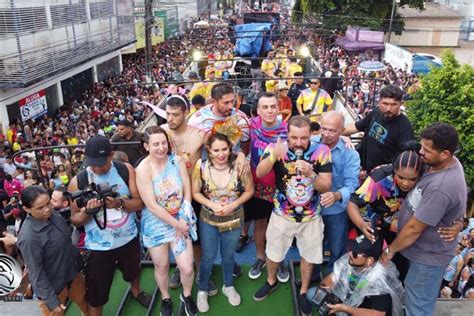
(122, 203)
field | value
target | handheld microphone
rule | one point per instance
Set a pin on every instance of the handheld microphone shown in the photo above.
(299, 156)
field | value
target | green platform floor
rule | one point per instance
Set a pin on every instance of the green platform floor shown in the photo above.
(279, 303)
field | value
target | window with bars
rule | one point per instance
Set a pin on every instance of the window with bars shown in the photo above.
(101, 9)
(67, 14)
(22, 20)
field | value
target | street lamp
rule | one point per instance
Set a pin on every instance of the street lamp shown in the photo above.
(197, 55)
(304, 51)
(391, 19)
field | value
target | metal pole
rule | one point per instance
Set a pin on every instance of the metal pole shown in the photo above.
(391, 21)
(148, 48)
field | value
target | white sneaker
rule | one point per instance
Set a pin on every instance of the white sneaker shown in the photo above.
(232, 295)
(202, 304)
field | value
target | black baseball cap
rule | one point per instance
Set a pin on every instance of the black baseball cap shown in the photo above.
(98, 150)
(362, 245)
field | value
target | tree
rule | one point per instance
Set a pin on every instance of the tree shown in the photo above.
(447, 95)
(338, 14)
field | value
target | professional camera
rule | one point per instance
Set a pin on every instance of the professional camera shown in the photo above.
(94, 191)
(322, 298)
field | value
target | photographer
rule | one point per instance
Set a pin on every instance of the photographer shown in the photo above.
(109, 222)
(363, 284)
(53, 263)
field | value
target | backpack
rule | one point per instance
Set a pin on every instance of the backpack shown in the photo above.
(83, 179)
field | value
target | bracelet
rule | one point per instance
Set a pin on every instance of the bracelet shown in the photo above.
(272, 158)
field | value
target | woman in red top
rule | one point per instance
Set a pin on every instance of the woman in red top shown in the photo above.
(284, 103)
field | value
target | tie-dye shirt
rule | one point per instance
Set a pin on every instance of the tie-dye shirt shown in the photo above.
(295, 198)
(380, 194)
(260, 137)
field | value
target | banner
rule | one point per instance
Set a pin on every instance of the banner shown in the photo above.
(398, 57)
(33, 106)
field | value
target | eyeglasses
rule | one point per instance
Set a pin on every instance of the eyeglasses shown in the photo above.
(357, 255)
(312, 82)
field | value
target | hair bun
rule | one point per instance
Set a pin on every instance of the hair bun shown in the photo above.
(411, 145)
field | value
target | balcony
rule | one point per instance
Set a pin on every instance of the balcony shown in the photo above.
(40, 42)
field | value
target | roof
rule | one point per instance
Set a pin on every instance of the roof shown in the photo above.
(432, 10)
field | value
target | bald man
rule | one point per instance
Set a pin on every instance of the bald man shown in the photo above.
(345, 180)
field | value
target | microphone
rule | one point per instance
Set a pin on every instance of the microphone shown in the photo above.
(299, 156)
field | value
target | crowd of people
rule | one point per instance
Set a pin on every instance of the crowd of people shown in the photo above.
(391, 212)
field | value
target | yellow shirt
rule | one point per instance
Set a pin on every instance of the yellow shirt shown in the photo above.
(198, 88)
(16, 146)
(72, 141)
(217, 71)
(268, 67)
(292, 69)
(306, 100)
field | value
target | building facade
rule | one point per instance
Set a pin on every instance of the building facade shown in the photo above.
(435, 26)
(53, 50)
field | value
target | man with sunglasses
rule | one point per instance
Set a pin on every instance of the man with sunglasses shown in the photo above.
(314, 101)
(362, 283)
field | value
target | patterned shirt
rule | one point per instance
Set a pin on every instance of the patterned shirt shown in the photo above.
(295, 198)
(260, 137)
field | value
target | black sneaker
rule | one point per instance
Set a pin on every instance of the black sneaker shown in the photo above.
(243, 240)
(264, 291)
(143, 298)
(166, 308)
(305, 306)
(175, 280)
(190, 308)
(237, 270)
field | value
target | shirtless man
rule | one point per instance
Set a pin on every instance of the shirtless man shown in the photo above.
(187, 141)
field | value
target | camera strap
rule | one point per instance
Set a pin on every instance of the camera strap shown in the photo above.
(96, 220)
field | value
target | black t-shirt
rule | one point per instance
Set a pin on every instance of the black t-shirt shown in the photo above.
(382, 138)
(382, 303)
(134, 152)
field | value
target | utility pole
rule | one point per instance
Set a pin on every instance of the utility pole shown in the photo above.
(391, 20)
(148, 49)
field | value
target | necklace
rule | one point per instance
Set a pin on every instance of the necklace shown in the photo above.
(220, 169)
(180, 150)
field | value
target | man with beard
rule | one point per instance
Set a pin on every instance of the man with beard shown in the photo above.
(438, 200)
(302, 171)
(385, 130)
(363, 284)
(222, 117)
(187, 142)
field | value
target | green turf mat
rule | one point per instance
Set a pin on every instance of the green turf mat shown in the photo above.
(279, 303)
(119, 287)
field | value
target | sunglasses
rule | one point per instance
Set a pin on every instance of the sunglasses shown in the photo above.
(357, 255)
(312, 82)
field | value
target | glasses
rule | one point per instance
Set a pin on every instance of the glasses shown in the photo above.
(357, 255)
(312, 82)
